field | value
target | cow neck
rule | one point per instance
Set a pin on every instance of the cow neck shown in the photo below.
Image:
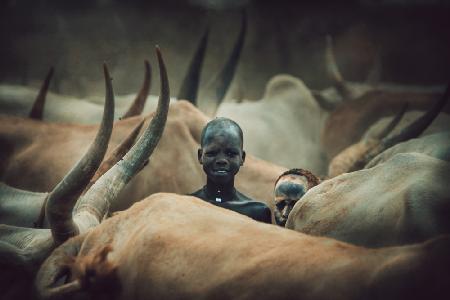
(219, 192)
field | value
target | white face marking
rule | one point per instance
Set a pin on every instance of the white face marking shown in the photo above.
(218, 200)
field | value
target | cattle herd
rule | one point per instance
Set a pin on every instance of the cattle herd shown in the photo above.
(93, 197)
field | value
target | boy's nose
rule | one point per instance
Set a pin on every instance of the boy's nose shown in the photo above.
(221, 162)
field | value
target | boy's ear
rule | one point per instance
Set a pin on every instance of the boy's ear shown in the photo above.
(199, 155)
(243, 157)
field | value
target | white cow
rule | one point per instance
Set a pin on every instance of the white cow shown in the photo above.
(284, 127)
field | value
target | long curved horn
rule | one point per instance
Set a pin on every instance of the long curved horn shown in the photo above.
(189, 87)
(63, 197)
(222, 82)
(116, 154)
(333, 71)
(95, 203)
(391, 125)
(137, 107)
(38, 107)
(113, 158)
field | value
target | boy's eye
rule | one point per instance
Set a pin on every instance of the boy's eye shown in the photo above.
(280, 205)
(210, 153)
(231, 153)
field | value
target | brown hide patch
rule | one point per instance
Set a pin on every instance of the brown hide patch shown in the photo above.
(97, 275)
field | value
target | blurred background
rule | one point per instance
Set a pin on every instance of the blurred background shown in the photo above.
(407, 42)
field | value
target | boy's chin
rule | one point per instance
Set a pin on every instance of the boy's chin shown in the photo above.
(221, 179)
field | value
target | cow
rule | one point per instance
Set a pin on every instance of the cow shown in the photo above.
(400, 197)
(170, 246)
(402, 200)
(284, 127)
(27, 209)
(360, 105)
(297, 121)
(175, 167)
(343, 90)
(359, 154)
(435, 145)
(17, 100)
(22, 249)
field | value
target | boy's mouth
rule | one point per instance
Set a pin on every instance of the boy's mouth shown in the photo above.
(221, 171)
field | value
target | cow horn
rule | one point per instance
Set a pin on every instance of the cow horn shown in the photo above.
(97, 200)
(38, 107)
(63, 197)
(222, 82)
(333, 70)
(137, 107)
(389, 127)
(189, 87)
(116, 154)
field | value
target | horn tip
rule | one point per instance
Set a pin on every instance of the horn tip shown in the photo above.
(106, 71)
(147, 66)
(158, 52)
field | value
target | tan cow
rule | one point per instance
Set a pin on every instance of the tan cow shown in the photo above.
(169, 246)
(435, 145)
(401, 196)
(27, 209)
(22, 249)
(35, 166)
(403, 200)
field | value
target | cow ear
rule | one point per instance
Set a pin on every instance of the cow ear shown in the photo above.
(199, 155)
(243, 157)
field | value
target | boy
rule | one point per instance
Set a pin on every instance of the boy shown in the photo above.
(289, 188)
(221, 155)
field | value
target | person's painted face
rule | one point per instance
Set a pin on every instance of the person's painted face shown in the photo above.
(288, 190)
(221, 155)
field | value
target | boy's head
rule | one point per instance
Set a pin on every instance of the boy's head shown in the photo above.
(221, 152)
(289, 188)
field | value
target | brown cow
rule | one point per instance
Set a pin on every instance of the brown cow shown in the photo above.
(169, 246)
(24, 249)
(29, 163)
(356, 156)
(362, 104)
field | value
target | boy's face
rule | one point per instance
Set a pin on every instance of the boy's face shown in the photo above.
(221, 155)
